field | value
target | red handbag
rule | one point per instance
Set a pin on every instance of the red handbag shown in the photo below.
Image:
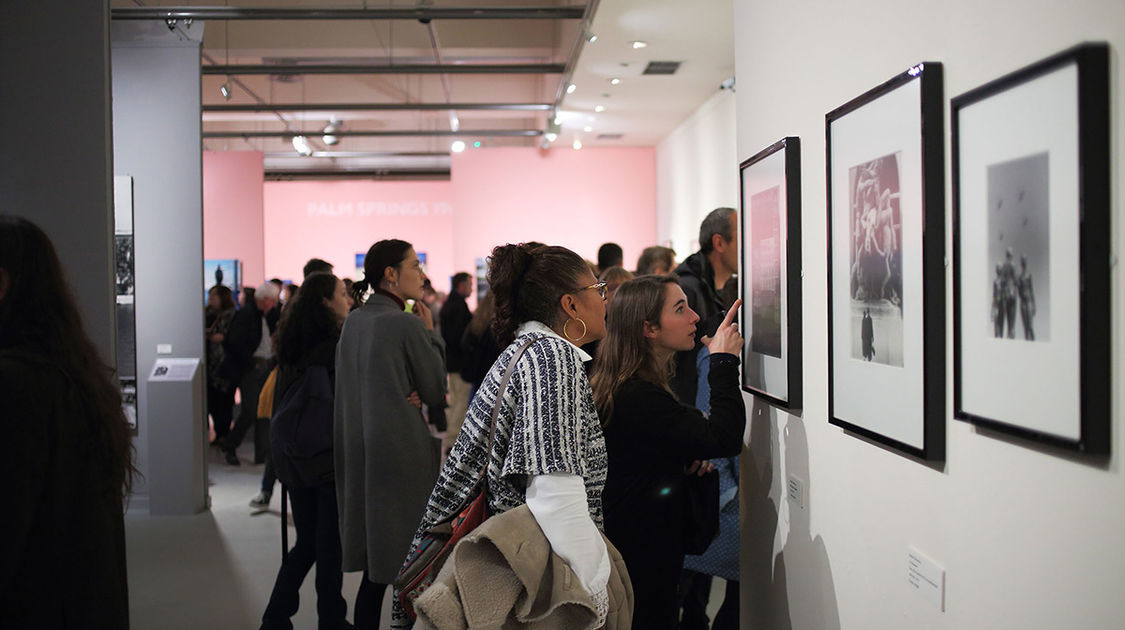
(425, 561)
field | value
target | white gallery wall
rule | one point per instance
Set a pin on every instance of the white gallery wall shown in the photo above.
(696, 172)
(1029, 537)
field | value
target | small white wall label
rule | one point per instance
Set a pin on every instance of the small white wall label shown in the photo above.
(163, 348)
(796, 490)
(925, 577)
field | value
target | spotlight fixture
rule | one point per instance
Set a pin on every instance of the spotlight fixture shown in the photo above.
(587, 129)
(301, 145)
(638, 44)
(551, 136)
(592, 38)
(224, 89)
(457, 146)
(614, 81)
(571, 88)
(454, 122)
(558, 119)
(599, 109)
(577, 144)
(330, 137)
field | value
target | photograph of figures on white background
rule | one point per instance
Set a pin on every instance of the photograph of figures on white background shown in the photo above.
(1019, 248)
(765, 296)
(876, 261)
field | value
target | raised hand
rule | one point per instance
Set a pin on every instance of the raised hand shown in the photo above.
(726, 338)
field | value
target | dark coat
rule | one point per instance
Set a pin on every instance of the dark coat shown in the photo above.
(697, 279)
(243, 338)
(386, 459)
(649, 439)
(62, 561)
(454, 318)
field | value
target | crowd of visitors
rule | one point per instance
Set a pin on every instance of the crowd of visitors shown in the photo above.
(596, 400)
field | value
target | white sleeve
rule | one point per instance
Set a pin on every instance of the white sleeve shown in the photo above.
(558, 503)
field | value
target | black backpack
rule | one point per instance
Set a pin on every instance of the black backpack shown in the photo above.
(301, 430)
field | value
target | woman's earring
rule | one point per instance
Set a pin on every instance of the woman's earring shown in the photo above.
(567, 334)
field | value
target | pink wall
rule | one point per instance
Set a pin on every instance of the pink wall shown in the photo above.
(578, 199)
(232, 210)
(335, 220)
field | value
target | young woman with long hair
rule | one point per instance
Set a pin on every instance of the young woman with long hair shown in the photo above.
(549, 452)
(653, 440)
(217, 316)
(306, 337)
(70, 463)
(387, 363)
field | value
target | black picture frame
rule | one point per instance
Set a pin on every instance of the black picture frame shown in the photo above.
(884, 385)
(1056, 178)
(770, 214)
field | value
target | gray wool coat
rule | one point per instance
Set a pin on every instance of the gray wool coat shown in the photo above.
(386, 459)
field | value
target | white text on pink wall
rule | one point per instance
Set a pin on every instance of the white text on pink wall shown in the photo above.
(379, 209)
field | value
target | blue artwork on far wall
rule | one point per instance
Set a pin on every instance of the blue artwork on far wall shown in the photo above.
(225, 271)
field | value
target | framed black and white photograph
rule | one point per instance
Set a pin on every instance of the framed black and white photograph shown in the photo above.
(886, 316)
(770, 184)
(1031, 227)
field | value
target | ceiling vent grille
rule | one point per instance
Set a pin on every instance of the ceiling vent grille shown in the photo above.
(662, 67)
(609, 136)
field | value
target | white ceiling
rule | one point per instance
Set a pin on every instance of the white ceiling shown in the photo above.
(643, 109)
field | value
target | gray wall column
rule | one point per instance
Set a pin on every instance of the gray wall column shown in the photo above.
(55, 168)
(156, 140)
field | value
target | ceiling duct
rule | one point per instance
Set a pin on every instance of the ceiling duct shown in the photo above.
(662, 67)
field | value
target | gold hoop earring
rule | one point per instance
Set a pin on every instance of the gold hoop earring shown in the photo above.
(579, 337)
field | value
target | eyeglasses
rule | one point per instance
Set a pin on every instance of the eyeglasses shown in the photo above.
(600, 286)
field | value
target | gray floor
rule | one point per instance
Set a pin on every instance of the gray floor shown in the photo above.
(215, 569)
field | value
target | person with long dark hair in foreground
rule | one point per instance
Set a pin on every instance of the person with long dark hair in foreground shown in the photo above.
(653, 440)
(70, 461)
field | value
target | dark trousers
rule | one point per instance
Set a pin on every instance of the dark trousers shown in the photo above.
(249, 388)
(318, 541)
(369, 604)
(220, 405)
(695, 592)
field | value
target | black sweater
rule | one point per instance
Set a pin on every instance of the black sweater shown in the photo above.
(62, 560)
(650, 438)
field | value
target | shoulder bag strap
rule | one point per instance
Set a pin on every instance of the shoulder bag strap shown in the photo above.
(496, 406)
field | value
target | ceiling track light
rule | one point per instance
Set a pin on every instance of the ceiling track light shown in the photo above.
(330, 137)
(225, 90)
(599, 109)
(591, 38)
(457, 146)
(301, 145)
(615, 81)
(571, 88)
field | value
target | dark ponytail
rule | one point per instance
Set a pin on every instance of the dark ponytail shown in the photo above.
(527, 281)
(387, 253)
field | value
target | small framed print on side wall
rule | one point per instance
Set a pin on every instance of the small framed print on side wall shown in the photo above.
(770, 184)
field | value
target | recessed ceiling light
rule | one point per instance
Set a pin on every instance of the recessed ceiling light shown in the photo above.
(592, 38)
(571, 88)
(599, 109)
(457, 146)
(551, 136)
(614, 81)
(638, 44)
(587, 129)
(577, 144)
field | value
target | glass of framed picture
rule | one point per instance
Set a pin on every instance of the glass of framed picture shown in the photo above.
(770, 184)
(1031, 280)
(886, 289)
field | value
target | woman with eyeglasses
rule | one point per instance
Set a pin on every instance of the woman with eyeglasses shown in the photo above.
(654, 442)
(549, 452)
(388, 362)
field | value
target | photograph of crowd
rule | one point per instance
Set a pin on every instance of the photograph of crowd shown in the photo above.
(765, 298)
(1019, 248)
(876, 261)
